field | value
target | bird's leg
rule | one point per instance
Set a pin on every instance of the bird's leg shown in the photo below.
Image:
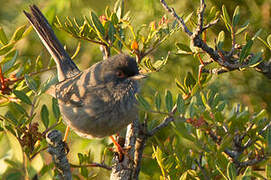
(66, 134)
(120, 150)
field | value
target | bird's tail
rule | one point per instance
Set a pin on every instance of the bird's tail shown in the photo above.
(65, 66)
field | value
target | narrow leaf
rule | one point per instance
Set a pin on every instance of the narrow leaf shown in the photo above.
(245, 50)
(169, 101)
(231, 171)
(45, 115)
(3, 37)
(226, 17)
(18, 33)
(180, 104)
(220, 39)
(9, 64)
(236, 16)
(181, 46)
(242, 29)
(5, 49)
(143, 102)
(22, 96)
(30, 83)
(158, 101)
(97, 24)
(55, 108)
(189, 81)
(269, 40)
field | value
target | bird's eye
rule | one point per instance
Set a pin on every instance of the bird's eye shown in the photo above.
(120, 74)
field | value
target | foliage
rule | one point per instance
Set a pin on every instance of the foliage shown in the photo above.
(221, 127)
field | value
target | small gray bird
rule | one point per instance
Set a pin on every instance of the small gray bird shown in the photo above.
(98, 101)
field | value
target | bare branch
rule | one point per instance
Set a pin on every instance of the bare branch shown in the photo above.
(178, 18)
(57, 149)
(94, 164)
(165, 122)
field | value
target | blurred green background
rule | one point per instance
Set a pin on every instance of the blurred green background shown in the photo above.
(249, 87)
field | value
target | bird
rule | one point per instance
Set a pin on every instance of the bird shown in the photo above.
(98, 101)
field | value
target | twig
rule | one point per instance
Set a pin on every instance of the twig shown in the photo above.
(178, 18)
(165, 122)
(94, 164)
(228, 61)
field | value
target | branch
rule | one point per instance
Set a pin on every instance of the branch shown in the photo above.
(57, 149)
(94, 164)
(165, 122)
(124, 170)
(228, 61)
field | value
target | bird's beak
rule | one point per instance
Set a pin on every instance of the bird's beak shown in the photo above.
(138, 77)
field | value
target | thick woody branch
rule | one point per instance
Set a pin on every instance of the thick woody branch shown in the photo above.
(57, 148)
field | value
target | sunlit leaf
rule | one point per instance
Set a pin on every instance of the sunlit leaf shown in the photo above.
(236, 16)
(97, 24)
(220, 39)
(3, 37)
(18, 33)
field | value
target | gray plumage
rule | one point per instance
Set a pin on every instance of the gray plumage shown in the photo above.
(98, 101)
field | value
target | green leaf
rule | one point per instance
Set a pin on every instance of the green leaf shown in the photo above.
(143, 102)
(221, 172)
(180, 86)
(18, 107)
(183, 47)
(111, 32)
(265, 43)
(30, 82)
(169, 101)
(242, 28)
(257, 34)
(231, 171)
(5, 49)
(204, 101)
(157, 101)
(18, 33)
(188, 17)
(3, 37)
(180, 104)
(226, 18)
(254, 61)
(268, 139)
(16, 148)
(107, 12)
(268, 170)
(114, 19)
(119, 8)
(189, 81)
(236, 16)
(55, 108)
(22, 96)
(10, 63)
(97, 24)
(45, 115)
(220, 39)
(269, 40)
(245, 50)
